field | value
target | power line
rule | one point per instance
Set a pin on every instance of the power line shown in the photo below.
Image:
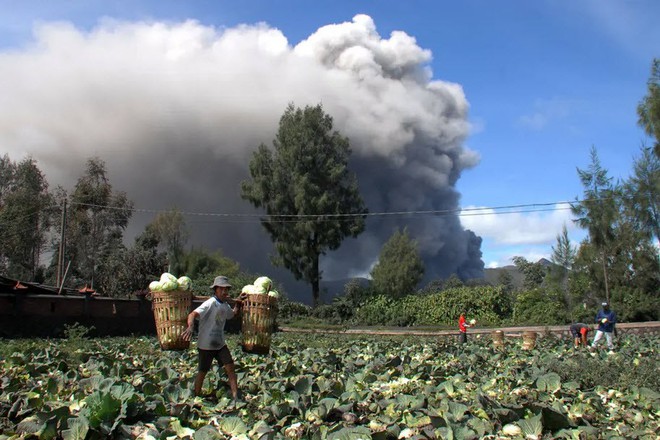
(462, 212)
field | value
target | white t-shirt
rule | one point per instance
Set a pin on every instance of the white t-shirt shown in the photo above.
(212, 317)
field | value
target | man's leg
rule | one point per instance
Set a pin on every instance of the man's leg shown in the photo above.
(233, 382)
(462, 338)
(608, 337)
(224, 356)
(599, 335)
(199, 381)
(205, 359)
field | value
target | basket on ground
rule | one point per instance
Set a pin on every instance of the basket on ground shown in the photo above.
(171, 311)
(259, 314)
(529, 340)
(498, 338)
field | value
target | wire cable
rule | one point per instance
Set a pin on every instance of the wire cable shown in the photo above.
(496, 210)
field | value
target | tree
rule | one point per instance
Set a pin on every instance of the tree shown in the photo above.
(563, 257)
(642, 193)
(453, 282)
(597, 212)
(310, 197)
(172, 232)
(505, 279)
(143, 262)
(533, 273)
(399, 268)
(26, 214)
(202, 267)
(95, 223)
(648, 109)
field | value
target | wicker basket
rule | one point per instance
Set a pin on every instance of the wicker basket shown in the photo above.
(529, 340)
(259, 314)
(171, 311)
(498, 338)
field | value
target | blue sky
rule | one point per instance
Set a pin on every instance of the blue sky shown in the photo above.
(545, 81)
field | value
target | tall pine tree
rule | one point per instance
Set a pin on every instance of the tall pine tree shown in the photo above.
(311, 199)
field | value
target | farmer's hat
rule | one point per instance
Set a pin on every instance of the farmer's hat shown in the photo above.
(220, 281)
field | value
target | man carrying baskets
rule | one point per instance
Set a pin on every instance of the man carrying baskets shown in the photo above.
(212, 314)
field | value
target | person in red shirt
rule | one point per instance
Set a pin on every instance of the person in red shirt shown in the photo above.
(462, 329)
(579, 332)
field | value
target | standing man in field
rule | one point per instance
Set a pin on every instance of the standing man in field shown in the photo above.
(462, 328)
(606, 320)
(212, 314)
(579, 332)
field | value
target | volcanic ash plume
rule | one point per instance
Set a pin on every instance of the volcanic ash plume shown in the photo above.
(176, 111)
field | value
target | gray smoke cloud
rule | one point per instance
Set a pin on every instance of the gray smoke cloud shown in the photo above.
(177, 109)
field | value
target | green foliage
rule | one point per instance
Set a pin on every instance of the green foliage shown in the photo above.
(505, 279)
(76, 338)
(26, 218)
(453, 282)
(76, 332)
(633, 304)
(642, 193)
(597, 213)
(399, 268)
(172, 232)
(378, 311)
(534, 273)
(538, 307)
(487, 304)
(292, 310)
(302, 184)
(613, 371)
(198, 262)
(96, 220)
(648, 109)
(334, 387)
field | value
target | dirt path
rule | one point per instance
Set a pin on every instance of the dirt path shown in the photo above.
(625, 327)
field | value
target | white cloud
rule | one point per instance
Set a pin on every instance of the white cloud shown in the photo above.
(517, 228)
(547, 111)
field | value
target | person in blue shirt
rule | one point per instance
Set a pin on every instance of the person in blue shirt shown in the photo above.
(606, 320)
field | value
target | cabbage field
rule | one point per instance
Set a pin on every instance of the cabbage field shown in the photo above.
(337, 387)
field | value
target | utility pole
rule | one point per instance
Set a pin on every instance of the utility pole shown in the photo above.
(62, 247)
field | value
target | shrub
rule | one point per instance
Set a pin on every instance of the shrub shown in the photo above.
(487, 304)
(289, 310)
(538, 307)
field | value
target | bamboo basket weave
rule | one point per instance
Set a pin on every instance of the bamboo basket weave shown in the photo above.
(171, 311)
(259, 314)
(498, 338)
(529, 340)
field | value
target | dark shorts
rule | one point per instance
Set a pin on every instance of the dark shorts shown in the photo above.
(206, 358)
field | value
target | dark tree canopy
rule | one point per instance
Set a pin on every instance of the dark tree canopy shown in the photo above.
(173, 233)
(399, 268)
(26, 218)
(95, 224)
(311, 199)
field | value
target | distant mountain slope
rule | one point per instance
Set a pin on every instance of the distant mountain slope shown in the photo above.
(492, 276)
